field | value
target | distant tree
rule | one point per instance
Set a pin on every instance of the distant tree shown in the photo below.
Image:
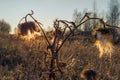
(113, 17)
(4, 26)
(77, 16)
(93, 22)
(87, 26)
(113, 12)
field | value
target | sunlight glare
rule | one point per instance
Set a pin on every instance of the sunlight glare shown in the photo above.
(104, 44)
(31, 35)
(105, 47)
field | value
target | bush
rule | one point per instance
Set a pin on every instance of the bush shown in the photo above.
(4, 26)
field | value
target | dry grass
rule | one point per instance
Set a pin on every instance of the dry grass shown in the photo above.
(77, 55)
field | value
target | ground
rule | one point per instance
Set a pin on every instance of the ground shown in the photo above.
(21, 60)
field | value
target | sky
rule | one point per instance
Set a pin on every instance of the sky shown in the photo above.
(46, 11)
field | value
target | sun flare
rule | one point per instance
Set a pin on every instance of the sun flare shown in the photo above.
(31, 35)
(104, 47)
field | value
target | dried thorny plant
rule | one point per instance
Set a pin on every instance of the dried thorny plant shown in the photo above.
(53, 63)
(29, 29)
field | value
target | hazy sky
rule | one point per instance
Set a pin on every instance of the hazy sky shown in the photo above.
(46, 11)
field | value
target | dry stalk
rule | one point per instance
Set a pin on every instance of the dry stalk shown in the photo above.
(60, 38)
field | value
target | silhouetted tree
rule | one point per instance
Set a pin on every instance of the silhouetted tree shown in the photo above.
(76, 16)
(113, 17)
(87, 24)
(113, 12)
(4, 26)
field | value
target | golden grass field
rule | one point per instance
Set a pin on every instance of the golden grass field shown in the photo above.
(24, 60)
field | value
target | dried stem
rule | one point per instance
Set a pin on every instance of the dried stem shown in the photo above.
(54, 48)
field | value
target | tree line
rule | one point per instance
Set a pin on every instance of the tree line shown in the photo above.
(4, 26)
(112, 16)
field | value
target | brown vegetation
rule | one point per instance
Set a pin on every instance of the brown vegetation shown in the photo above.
(22, 60)
(62, 55)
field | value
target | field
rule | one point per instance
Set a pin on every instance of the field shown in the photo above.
(24, 60)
